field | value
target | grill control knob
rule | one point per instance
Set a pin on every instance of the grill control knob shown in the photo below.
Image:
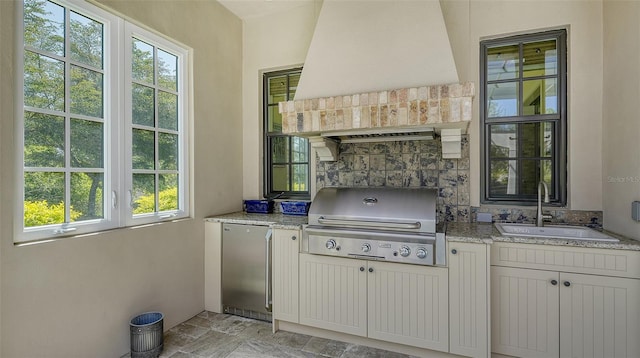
(331, 244)
(405, 251)
(421, 253)
(366, 247)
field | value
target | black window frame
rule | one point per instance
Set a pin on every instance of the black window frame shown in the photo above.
(268, 139)
(559, 120)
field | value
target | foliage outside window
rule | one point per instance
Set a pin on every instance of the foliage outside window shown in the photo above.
(523, 115)
(286, 157)
(74, 172)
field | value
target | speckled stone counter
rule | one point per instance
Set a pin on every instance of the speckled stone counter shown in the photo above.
(488, 234)
(277, 221)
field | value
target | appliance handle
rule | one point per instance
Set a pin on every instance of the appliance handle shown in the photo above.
(370, 223)
(267, 270)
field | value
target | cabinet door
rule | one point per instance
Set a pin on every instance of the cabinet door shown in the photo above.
(599, 316)
(286, 247)
(333, 293)
(524, 312)
(408, 304)
(468, 299)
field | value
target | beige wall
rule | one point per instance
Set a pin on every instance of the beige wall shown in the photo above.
(584, 22)
(270, 42)
(621, 123)
(74, 297)
(467, 22)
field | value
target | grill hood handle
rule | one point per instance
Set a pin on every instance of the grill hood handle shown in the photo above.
(369, 223)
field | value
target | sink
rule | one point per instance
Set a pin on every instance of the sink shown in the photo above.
(553, 232)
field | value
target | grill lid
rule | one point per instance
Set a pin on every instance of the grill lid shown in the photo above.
(396, 209)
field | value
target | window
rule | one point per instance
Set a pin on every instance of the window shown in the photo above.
(157, 136)
(523, 113)
(72, 124)
(286, 157)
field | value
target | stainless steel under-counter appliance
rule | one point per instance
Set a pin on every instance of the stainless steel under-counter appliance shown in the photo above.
(382, 223)
(246, 270)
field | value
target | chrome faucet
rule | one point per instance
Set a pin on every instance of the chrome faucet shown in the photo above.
(540, 217)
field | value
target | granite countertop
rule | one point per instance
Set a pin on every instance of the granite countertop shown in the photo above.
(277, 221)
(488, 234)
(483, 233)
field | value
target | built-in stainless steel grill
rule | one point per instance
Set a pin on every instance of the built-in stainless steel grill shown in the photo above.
(391, 224)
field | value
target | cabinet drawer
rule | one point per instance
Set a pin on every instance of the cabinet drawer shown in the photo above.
(619, 263)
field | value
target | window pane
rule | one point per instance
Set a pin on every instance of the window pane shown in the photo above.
(274, 119)
(86, 40)
(536, 139)
(293, 85)
(167, 70)
(300, 148)
(167, 110)
(503, 62)
(540, 58)
(280, 149)
(143, 105)
(300, 177)
(504, 140)
(86, 92)
(168, 192)
(43, 198)
(277, 89)
(87, 196)
(280, 175)
(142, 61)
(503, 177)
(521, 140)
(43, 140)
(540, 97)
(519, 177)
(87, 144)
(143, 149)
(168, 147)
(502, 99)
(143, 195)
(43, 82)
(44, 26)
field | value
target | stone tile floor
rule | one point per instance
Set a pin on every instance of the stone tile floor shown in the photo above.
(221, 335)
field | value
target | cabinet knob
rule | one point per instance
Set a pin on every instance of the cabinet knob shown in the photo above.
(454, 251)
(293, 237)
(554, 282)
(567, 283)
(370, 269)
(361, 268)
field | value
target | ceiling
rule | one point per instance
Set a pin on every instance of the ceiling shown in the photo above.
(245, 9)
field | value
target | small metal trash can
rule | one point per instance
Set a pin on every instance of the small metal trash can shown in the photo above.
(146, 335)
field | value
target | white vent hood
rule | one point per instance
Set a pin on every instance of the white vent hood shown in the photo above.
(379, 68)
(365, 46)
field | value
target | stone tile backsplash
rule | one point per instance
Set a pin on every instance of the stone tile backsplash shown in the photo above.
(404, 164)
(420, 164)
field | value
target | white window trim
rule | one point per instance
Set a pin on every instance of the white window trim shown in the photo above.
(117, 180)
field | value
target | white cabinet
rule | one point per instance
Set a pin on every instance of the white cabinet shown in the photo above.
(333, 293)
(524, 312)
(599, 316)
(408, 304)
(468, 299)
(538, 312)
(404, 304)
(213, 266)
(285, 249)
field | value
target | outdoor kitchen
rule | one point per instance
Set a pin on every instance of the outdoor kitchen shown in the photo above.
(430, 178)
